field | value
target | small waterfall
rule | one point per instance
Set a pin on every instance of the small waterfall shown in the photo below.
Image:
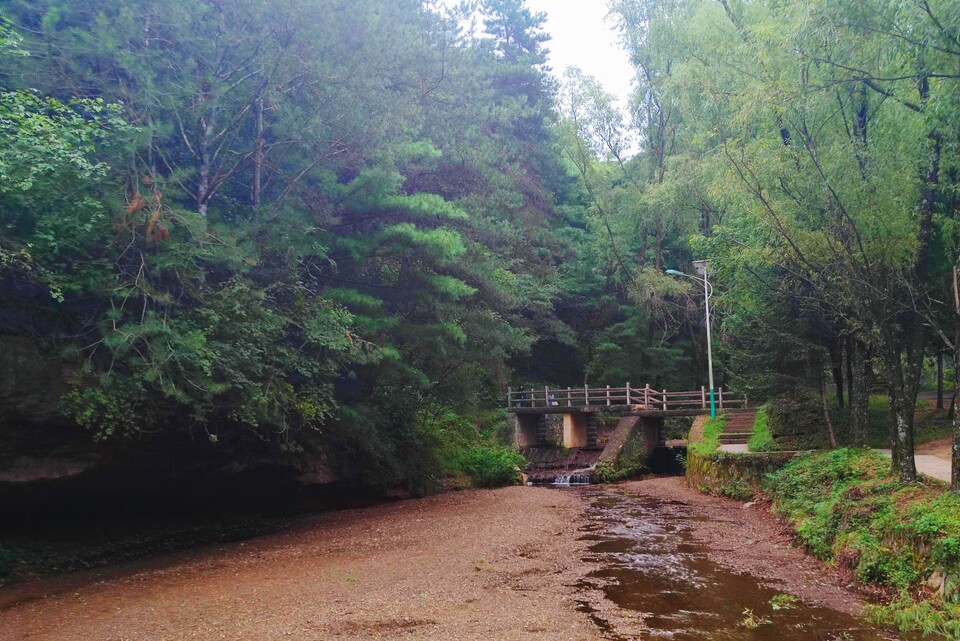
(576, 477)
(572, 479)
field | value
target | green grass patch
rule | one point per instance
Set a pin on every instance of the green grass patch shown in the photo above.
(712, 429)
(491, 465)
(762, 439)
(848, 508)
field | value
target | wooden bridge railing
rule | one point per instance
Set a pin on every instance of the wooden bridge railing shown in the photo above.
(645, 397)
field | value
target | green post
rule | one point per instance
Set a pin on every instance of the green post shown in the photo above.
(713, 405)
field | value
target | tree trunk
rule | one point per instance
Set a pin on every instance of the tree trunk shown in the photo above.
(826, 412)
(259, 156)
(892, 431)
(848, 353)
(836, 365)
(859, 372)
(955, 458)
(939, 380)
(903, 399)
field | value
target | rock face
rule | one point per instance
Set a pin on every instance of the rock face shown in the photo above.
(31, 383)
(45, 458)
(37, 442)
(26, 469)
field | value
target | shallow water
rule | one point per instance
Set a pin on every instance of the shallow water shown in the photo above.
(648, 563)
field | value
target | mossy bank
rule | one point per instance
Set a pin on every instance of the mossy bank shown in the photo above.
(848, 510)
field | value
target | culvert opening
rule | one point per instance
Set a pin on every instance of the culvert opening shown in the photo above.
(668, 460)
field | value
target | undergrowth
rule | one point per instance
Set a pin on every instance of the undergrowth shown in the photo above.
(762, 439)
(491, 465)
(712, 428)
(848, 508)
(475, 445)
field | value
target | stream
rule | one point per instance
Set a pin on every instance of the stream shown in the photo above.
(652, 569)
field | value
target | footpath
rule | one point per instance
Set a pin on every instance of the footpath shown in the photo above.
(928, 464)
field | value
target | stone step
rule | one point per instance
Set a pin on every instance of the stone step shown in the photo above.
(734, 438)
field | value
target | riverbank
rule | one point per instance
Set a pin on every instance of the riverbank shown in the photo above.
(479, 564)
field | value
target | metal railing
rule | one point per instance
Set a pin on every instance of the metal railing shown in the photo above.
(640, 398)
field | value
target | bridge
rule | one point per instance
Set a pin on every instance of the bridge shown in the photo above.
(636, 401)
(580, 411)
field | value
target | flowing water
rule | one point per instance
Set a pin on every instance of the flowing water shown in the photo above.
(649, 564)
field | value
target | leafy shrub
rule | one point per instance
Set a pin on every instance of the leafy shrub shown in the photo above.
(604, 472)
(491, 465)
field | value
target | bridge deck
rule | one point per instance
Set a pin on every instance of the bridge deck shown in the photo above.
(622, 410)
(643, 401)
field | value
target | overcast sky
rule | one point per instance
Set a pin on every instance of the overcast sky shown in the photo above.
(583, 37)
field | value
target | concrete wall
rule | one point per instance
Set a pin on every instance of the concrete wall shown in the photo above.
(575, 430)
(525, 429)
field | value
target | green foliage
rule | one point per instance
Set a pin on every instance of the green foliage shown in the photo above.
(296, 251)
(477, 445)
(491, 466)
(737, 489)
(783, 602)
(933, 617)
(630, 462)
(847, 507)
(795, 420)
(712, 429)
(761, 440)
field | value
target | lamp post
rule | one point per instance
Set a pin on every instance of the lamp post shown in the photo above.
(701, 267)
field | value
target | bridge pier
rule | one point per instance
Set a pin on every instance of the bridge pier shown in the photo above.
(525, 430)
(575, 430)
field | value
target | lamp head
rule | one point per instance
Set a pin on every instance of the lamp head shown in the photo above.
(674, 272)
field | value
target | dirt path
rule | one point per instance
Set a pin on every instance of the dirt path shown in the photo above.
(469, 565)
(939, 448)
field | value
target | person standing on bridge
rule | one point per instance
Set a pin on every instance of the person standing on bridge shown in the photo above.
(522, 396)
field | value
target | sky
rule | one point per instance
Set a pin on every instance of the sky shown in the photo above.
(583, 37)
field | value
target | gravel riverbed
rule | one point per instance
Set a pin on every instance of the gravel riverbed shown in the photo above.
(480, 564)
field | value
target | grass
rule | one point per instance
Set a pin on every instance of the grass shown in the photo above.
(848, 508)
(712, 429)
(762, 439)
(491, 465)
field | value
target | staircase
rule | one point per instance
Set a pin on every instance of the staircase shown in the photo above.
(592, 432)
(738, 426)
(543, 430)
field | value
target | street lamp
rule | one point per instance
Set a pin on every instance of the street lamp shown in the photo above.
(701, 267)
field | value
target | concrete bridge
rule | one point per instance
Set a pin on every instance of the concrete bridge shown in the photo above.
(579, 409)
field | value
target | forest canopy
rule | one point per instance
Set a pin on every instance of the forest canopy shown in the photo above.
(319, 228)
